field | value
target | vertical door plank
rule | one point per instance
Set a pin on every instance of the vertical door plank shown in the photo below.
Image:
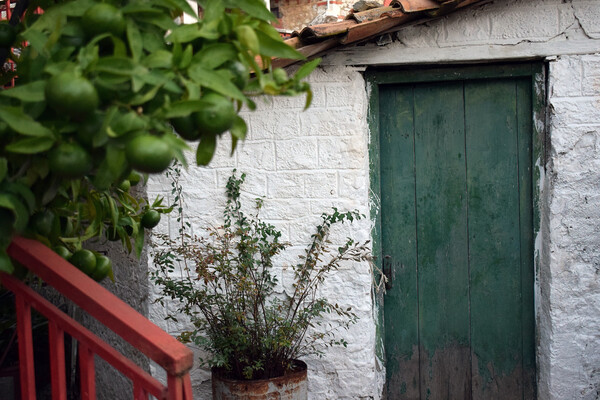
(525, 135)
(442, 241)
(399, 246)
(494, 239)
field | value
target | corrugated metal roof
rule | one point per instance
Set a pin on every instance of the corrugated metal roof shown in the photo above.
(364, 25)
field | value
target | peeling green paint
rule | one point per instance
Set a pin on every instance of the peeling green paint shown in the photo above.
(410, 157)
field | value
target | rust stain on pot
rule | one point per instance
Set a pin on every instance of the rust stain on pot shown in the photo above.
(291, 386)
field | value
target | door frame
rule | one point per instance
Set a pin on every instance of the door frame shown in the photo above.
(376, 77)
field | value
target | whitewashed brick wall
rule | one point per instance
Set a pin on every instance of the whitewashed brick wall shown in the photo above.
(570, 352)
(302, 163)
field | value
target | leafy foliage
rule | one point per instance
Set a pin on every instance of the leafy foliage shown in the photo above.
(98, 90)
(226, 287)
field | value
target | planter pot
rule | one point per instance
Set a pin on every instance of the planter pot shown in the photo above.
(291, 386)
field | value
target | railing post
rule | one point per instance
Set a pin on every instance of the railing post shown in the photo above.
(56, 339)
(187, 387)
(162, 348)
(175, 387)
(138, 392)
(87, 373)
(180, 387)
(25, 336)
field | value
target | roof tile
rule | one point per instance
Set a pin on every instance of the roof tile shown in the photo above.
(364, 25)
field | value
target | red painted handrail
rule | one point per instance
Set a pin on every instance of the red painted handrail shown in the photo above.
(108, 309)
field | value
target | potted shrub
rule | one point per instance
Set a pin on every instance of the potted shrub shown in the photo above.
(226, 288)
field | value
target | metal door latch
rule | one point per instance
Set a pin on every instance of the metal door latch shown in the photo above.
(388, 271)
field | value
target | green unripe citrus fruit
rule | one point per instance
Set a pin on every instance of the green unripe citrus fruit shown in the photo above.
(84, 260)
(148, 153)
(103, 18)
(150, 219)
(63, 252)
(103, 268)
(186, 128)
(70, 160)
(217, 116)
(125, 185)
(134, 178)
(42, 222)
(67, 93)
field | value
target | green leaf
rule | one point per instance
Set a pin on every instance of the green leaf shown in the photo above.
(23, 123)
(139, 244)
(210, 30)
(216, 54)
(186, 57)
(154, 78)
(213, 9)
(12, 203)
(138, 8)
(213, 80)
(29, 92)
(158, 59)
(179, 5)
(184, 108)
(121, 66)
(134, 38)
(144, 97)
(193, 90)
(234, 143)
(88, 55)
(6, 264)
(35, 38)
(153, 41)
(306, 69)
(114, 210)
(72, 8)
(104, 176)
(159, 19)
(127, 122)
(177, 51)
(309, 97)
(178, 146)
(31, 145)
(276, 47)
(3, 168)
(254, 8)
(23, 192)
(239, 128)
(247, 36)
(206, 150)
(185, 33)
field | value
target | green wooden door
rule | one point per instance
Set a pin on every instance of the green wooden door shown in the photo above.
(457, 235)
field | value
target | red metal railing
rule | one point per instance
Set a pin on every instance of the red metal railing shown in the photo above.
(108, 309)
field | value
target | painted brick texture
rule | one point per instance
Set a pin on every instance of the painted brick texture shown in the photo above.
(302, 163)
(573, 266)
